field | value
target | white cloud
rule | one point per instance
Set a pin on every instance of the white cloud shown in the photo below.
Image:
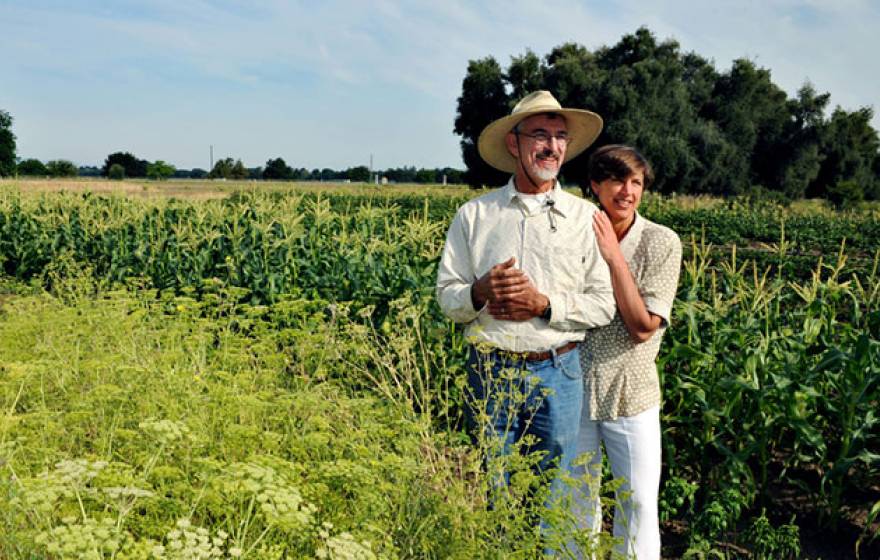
(391, 66)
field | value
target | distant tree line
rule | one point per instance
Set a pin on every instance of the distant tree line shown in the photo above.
(121, 165)
(721, 133)
(277, 170)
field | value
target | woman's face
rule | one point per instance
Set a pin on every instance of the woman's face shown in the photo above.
(620, 199)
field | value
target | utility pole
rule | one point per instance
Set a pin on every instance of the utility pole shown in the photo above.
(211, 168)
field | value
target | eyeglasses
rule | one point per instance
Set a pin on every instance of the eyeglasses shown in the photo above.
(542, 138)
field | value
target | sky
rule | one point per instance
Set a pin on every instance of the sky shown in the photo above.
(330, 84)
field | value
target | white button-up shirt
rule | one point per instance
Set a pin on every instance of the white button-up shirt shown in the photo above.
(554, 245)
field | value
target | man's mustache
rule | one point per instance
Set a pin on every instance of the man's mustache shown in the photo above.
(547, 152)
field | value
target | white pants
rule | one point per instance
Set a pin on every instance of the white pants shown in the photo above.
(634, 453)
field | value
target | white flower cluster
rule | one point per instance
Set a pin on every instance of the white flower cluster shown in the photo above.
(187, 542)
(39, 495)
(90, 540)
(165, 432)
(280, 501)
(78, 472)
(126, 492)
(342, 546)
(70, 477)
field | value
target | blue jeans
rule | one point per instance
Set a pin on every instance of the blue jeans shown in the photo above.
(542, 398)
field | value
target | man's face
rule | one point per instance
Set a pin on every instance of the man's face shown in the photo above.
(620, 199)
(542, 156)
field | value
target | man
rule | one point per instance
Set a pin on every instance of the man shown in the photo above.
(521, 267)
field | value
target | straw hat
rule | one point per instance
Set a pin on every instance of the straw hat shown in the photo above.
(583, 128)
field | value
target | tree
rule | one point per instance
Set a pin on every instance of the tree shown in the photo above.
(159, 170)
(640, 87)
(238, 171)
(62, 168)
(222, 169)
(453, 176)
(797, 155)
(198, 173)
(32, 167)
(89, 171)
(359, 174)
(133, 166)
(851, 149)
(483, 99)
(426, 176)
(7, 145)
(845, 194)
(705, 132)
(116, 172)
(525, 74)
(277, 170)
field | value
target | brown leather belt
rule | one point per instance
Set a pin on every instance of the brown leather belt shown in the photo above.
(545, 355)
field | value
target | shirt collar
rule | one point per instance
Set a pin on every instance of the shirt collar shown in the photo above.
(629, 243)
(559, 197)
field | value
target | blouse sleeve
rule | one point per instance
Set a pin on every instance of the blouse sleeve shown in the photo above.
(659, 280)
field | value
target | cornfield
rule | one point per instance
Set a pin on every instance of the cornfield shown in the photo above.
(320, 306)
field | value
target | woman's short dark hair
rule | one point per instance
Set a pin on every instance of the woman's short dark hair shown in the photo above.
(616, 161)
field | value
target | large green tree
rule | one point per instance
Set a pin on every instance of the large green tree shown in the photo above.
(278, 170)
(227, 168)
(239, 171)
(752, 112)
(483, 99)
(797, 154)
(7, 145)
(646, 103)
(851, 151)
(705, 131)
(62, 168)
(133, 166)
(160, 170)
(32, 167)
(358, 174)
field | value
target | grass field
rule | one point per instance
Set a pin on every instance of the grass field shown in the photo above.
(202, 369)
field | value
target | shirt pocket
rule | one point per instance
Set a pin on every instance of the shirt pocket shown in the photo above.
(566, 269)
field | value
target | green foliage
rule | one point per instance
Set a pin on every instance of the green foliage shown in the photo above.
(253, 327)
(7, 145)
(160, 170)
(277, 169)
(706, 131)
(32, 167)
(773, 543)
(143, 424)
(228, 168)
(359, 174)
(61, 168)
(846, 194)
(483, 99)
(133, 166)
(116, 172)
(850, 147)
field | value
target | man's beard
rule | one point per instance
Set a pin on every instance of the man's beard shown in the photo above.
(543, 173)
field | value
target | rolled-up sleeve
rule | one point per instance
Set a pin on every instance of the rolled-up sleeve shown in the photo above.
(591, 307)
(455, 274)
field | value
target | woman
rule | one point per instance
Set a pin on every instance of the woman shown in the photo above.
(622, 399)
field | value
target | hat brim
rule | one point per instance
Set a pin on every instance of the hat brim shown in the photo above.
(583, 129)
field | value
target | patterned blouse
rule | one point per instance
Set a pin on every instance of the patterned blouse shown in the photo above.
(620, 375)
